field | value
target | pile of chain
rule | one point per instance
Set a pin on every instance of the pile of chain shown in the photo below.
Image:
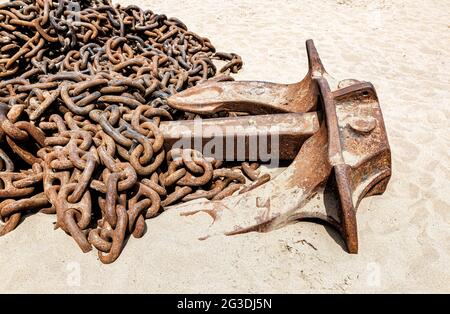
(81, 98)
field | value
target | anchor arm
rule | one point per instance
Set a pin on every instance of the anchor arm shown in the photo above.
(346, 160)
(252, 96)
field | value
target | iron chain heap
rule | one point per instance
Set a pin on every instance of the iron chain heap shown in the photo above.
(81, 98)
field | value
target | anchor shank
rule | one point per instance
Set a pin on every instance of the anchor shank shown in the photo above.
(247, 138)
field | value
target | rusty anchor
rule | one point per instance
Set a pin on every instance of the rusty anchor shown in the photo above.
(336, 140)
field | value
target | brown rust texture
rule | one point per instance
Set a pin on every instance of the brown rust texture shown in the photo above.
(86, 102)
(347, 159)
(82, 93)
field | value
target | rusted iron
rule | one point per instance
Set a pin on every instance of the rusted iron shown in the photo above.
(265, 103)
(290, 131)
(92, 109)
(81, 99)
(345, 160)
(254, 97)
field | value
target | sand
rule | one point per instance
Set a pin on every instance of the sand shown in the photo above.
(402, 48)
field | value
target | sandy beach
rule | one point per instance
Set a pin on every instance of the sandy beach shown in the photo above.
(402, 47)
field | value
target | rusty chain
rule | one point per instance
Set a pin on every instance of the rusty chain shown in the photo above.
(81, 97)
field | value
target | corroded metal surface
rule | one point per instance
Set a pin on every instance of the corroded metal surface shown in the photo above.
(347, 159)
(254, 97)
(82, 95)
(94, 99)
(290, 131)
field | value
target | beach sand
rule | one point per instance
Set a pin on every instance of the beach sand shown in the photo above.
(402, 47)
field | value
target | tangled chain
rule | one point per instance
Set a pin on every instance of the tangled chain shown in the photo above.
(81, 99)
